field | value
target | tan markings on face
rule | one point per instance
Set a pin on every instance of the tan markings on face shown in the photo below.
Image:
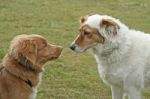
(88, 37)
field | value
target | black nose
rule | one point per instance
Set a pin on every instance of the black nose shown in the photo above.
(73, 46)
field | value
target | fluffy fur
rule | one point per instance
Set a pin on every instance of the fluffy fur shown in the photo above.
(123, 58)
(21, 69)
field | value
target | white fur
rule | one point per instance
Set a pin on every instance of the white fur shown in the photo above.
(123, 60)
(34, 89)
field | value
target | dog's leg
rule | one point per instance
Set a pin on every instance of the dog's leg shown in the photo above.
(134, 93)
(134, 85)
(117, 93)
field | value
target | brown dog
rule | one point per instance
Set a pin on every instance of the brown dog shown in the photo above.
(21, 68)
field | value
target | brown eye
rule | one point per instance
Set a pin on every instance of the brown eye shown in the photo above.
(86, 33)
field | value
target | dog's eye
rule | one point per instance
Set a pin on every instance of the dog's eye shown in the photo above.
(86, 33)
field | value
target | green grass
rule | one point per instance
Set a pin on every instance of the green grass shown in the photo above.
(72, 76)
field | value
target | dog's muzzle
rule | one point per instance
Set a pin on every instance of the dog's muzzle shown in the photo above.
(73, 46)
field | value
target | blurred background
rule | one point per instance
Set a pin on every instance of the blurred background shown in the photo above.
(72, 76)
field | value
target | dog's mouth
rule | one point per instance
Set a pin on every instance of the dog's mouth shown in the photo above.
(53, 58)
(56, 54)
(87, 49)
(75, 48)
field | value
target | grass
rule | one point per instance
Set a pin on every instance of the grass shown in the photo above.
(72, 76)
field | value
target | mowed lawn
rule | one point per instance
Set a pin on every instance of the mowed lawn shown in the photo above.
(72, 76)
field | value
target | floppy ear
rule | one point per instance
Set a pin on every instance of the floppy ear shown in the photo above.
(25, 49)
(29, 50)
(26, 45)
(28, 55)
(109, 27)
(34, 43)
(29, 46)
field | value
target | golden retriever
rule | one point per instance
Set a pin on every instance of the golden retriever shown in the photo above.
(21, 68)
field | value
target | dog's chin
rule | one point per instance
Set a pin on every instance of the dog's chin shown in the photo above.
(78, 50)
(81, 50)
(53, 58)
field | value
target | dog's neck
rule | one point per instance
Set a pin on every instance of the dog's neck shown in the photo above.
(111, 51)
(26, 64)
(17, 69)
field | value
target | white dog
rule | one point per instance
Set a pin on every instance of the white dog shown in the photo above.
(122, 54)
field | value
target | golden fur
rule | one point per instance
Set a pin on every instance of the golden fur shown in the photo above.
(21, 67)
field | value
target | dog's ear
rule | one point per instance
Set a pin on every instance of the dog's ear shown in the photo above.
(35, 45)
(26, 49)
(25, 45)
(109, 27)
(29, 49)
(83, 19)
(29, 46)
(28, 55)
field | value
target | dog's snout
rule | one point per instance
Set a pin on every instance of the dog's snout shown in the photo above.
(73, 46)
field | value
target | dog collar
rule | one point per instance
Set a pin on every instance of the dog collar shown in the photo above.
(25, 63)
(27, 67)
(29, 82)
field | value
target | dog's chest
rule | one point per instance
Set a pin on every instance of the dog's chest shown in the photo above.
(34, 89)
(109, 76)
(34, 93)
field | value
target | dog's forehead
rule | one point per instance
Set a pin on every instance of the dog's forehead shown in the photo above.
(87, 28)
(84, 27)
(39, 38)
(93, 21)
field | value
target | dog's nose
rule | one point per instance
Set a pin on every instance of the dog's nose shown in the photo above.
(73, 46)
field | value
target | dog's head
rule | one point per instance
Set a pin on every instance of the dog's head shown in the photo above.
(95, 29)
(33, 49)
